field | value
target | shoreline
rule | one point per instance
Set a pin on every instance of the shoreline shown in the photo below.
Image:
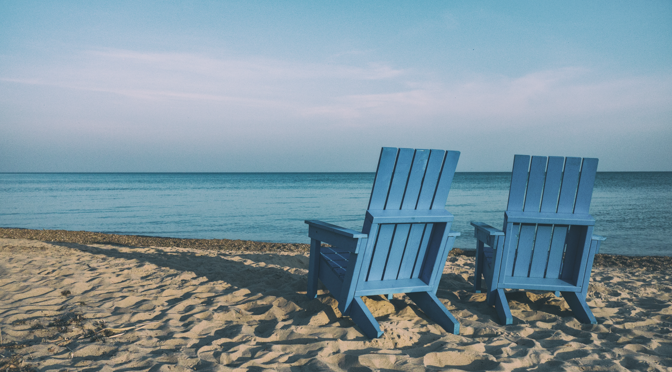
(652, 263)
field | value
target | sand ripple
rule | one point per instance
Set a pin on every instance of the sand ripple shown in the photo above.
(69, 306)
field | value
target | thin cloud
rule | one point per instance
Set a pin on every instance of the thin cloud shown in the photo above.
(376, 93)
(539, 95)
(192, 77)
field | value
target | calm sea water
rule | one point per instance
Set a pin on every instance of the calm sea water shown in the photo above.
(632, 209)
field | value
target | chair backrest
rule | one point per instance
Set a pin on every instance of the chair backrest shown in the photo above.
(547, 222)
(406, 179)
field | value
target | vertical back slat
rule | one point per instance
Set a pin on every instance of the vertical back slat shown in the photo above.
(420, 257)
(549, 203)
(542, 243)
(400, 178)
(524, 253)
(535, 184)
(569, 182)
(575, 239)
(581, 258)
(415, 179)
(518, 182)
(556, 251)
(510, 246)
(396, 251)
(411, 251)
(381, 250)
(381, 185)
(447, 174)
(431, 179)
(586, 183)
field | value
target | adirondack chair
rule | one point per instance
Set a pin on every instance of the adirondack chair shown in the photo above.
(403, 245)
(547, 242)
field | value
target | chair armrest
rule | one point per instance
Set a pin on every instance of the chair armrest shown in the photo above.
(597, 239)
(335, 229)
(336, 236)
(486, 233)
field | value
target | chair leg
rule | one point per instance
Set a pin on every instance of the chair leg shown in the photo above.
(361, 315)
(480, 258)
(578, 304)
(502, 307)
(435, 310)
(491, 297)
(313, 268)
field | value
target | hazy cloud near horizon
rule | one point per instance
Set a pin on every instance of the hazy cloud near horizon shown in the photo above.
(200, 102)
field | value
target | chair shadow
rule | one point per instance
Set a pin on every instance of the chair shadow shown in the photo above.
(262, 274)
(213, 268)
(264, 280)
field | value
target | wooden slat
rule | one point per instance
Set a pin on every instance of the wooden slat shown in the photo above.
(433, 252)
(535, 184)
(364, 259)
(396, 251)
(335, 260)
(505, 255)
(339, 257)
(486, 233)
(586, 183)
(330, 280)
(569, 182)
(411, 253)
(511, 244)
(581, 259)
(542, 244)
(391, 286)
(549, 203)
(381, 249)
(381, 185)
(518, 182)
(550, 218)
(556, 251)
(447, 241)
(429, 183)
(420, 258)
(410, 216)
(575, 239)
(524, 253)
(445, 180)
(347, 233)
(334, 238)
(401, 171)
(542, 284)
(488, 254)
(415, 179)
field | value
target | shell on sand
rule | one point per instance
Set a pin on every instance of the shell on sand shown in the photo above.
(112, 307)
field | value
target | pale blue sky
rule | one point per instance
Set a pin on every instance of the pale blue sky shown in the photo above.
(221, 86)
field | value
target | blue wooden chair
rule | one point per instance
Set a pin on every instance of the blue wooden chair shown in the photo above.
(548, 242)
(403, 245)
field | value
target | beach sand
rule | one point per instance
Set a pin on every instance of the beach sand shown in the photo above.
(68, 303)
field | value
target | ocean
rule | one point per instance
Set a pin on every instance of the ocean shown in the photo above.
(632, 209)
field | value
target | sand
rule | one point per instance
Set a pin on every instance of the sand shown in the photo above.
(67, 306)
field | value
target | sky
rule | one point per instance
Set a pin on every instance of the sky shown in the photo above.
(317, 86)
